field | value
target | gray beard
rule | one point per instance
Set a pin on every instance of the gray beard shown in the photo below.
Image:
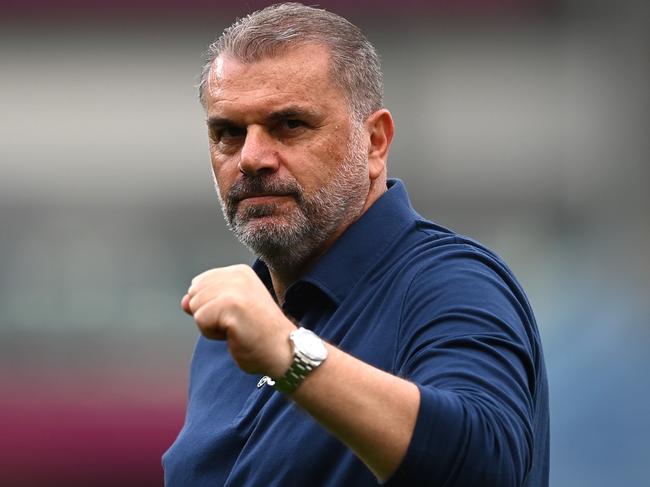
(289, 243)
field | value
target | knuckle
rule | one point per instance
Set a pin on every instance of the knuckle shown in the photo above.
(193, 303)
(241, 268)
(204, 275)
(230, 299)
(199, 317)
(204, 319)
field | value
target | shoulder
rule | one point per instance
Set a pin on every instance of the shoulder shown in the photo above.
(434, 257)
(456, 286)
(444, 261)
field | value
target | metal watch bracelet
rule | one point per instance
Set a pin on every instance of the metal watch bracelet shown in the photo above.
(293, 377)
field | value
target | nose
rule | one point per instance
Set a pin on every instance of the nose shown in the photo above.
(258, 154)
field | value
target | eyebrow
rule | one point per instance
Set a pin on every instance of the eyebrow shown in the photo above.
(219, 122)
(292, 111)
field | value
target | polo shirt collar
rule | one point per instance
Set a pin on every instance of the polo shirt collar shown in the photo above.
(358, 249)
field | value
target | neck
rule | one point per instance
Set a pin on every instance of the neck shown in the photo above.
(280, 284)
(282, 276)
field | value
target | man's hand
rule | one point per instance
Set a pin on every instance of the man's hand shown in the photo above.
(231, 303)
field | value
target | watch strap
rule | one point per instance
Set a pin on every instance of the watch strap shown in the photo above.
(299, 369)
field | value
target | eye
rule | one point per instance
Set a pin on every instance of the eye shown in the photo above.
(226, 134)
(232, 132)
(293, 123)
(226, 139)
(287, 128)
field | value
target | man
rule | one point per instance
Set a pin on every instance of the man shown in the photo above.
(365, 344)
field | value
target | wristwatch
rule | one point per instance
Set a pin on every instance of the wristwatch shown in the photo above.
(309, 352)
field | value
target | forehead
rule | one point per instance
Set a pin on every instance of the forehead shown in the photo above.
(300, 75)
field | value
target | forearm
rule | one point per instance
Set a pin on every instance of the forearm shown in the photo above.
(371, 411)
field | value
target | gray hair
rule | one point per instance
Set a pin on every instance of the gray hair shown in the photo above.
(354, 63)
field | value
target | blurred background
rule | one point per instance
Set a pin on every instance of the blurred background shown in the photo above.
(521, 123)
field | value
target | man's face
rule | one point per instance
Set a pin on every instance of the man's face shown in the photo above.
(289, 162)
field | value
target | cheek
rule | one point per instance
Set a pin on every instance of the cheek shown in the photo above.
(335, 147)
(224, 166)
(334, 154)
(224, 174)
(320, 161)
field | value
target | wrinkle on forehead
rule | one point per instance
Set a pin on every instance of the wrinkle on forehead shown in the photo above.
(243, 91)
(302, 66)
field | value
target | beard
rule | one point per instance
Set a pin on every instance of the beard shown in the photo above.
(286, 239)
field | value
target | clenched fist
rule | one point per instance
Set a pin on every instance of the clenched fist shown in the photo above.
(231, 303)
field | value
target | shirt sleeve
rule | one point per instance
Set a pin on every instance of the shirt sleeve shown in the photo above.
(468, 341)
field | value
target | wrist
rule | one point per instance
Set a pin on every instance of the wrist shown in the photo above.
(308, 353)
(282, 352)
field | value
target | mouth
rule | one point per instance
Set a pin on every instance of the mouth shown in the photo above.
(260, 198)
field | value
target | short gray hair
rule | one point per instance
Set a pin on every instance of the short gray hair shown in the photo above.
(354, 63)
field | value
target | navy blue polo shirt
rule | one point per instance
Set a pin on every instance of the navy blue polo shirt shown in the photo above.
(414, 299)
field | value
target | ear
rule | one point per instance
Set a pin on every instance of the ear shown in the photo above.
(381, 129)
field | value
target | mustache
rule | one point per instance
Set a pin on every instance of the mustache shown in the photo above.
(251, 186)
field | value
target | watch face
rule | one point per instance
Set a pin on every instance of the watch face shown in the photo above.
(309, 344)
